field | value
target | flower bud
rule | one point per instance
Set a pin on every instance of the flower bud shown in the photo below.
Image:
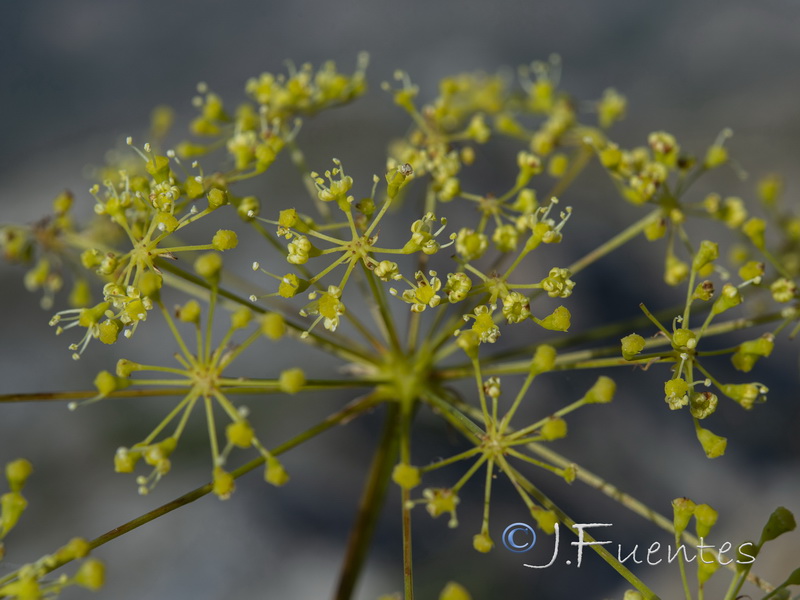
(225, 239)
(545, 519)
(208, 265)
(559, 320)
(273, 326)
(150, 284)
(291, 285)
(482, 542)
(750, 351)
(754, 229)
(91, 574)
(713, 445)
(454, 591)
(217, 198)
(248, 208)
(705, 518)
(746, 394)
(406, 476)
(292, 381)
(223, 484)
(632, 345)
(240, 434)
(553, 429)
(544, 359)
(704, 291)
(274, 473)
(17, 473)
(106, 383)
(682, 513)
(708, 252)
(601, 392)
(728, 298)
(12, 505)
(189, 312)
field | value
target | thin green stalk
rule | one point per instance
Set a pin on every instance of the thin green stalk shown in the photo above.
(624, 236)
(386, 322)
(370, 505)
(600, 550)
(335, 344)
(682, 567)
(84, 394)
(632, 504)
(343, 416)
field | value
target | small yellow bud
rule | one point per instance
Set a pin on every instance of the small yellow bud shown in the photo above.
(602, 391)
(125, 367)
(684, 338)
(292, 381)
(553, 429)
(224, 484)
(106, 383)
(704, 291)
(770, 189)
(655, 230)
(682, 513)
(189, 312)
(750, 351)
(291, 285)
(91, 574)
(544, 359)
(240, 434)
(715, 156)
(225, 239)
(558, 165)
(241, 317)
(469, 341)
(482, 542)
(754, 229)
(546, 519)
(406, 476)
(632, 345)
(75, 548)
(208, 265)
(728, 298)
(705, 518)
(746, 394)
(273, 326)
(81, 294)
(17, 473)
(274, 473)
(108, 330)
(150, 284)
(12, 505)
(559, 320)
(217, 197)
(63, 202)
(708, 252)
(454, 591)
(248, 208)
(125, 460)
(713, 445)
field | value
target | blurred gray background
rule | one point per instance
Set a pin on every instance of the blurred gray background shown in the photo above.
(77, 77)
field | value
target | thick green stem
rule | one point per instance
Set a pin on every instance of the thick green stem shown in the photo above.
(370, 505)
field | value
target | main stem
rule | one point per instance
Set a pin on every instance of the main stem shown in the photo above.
(370, 505)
